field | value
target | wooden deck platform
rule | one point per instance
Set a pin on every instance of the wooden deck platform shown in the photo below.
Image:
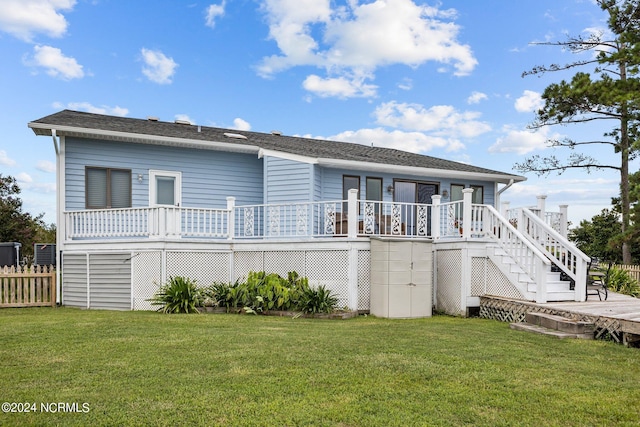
(618, 316)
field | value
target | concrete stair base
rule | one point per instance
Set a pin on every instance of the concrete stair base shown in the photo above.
(555, 326)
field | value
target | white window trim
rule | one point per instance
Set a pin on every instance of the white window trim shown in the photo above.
(153, 173)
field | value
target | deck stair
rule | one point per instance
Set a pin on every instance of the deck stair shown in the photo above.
(556, 326)
(557, 289)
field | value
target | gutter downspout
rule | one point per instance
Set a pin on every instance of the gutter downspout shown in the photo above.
(56, 146)
(502, 190)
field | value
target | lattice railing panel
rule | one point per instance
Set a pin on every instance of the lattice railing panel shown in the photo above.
(364, 280)
(146, 278)
(335, 277)
(449, 276)
(203, 267)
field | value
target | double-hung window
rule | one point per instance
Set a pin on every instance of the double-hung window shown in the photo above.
(107, 188)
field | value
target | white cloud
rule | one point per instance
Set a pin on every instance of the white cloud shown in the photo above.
(24, 178)
(476, 97)
(241, 124)
(24, 18)
(214, 11)
(415, 142)
(46, 166)
(340, 87)
(439, 120)
(56, 63)
(522, 141)
(158, 67)
(355, 39)
(5, 160)
(89, 108)
(406, 84)
(529, 102)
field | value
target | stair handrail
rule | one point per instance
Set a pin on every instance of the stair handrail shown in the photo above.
(525, 253)
(563, 253)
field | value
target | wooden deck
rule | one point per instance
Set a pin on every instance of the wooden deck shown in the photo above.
(619, 315)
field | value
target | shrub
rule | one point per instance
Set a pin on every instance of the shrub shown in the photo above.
(178, 295)
(620, 281)
(318, 300)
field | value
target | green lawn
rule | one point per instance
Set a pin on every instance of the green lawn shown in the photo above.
(144, 368)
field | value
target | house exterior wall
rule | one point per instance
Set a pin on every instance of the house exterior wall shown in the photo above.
(287, 181)
(208, 176)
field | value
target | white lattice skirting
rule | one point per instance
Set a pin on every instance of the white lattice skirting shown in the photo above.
(328, 267)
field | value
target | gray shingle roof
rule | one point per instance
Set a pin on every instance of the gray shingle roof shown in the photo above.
(314, 148)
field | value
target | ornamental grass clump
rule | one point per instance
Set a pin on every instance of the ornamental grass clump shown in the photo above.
(178, 295)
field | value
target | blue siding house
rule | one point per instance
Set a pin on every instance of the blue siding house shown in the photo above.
(158, 199)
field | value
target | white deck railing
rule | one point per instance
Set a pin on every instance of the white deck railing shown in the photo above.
(289, 220)
(152, 222)
(556, 247)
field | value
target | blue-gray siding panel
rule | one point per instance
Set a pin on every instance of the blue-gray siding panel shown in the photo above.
(287, 181)
(208, 177)
(110, 281)
(74, 280)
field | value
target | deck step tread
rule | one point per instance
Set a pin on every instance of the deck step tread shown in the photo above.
(550, 332)
(559, 323)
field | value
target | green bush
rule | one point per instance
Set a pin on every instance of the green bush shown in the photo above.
(264, 292)
(620, 281)
(178, 295)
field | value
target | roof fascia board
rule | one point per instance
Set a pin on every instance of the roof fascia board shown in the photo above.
(414, 170)
(287, 156)
(147, 139)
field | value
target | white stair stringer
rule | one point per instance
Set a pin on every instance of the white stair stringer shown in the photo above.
(512, 271)
(557, 290)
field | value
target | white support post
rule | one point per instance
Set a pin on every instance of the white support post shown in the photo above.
(353, 278)
(564, 221)
(541, 282)
(435, 216)
(352, 213)
(466, 212)
(506, 206)
(231, 207)
(541, 206)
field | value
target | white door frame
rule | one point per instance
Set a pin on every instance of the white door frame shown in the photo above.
(170, 217)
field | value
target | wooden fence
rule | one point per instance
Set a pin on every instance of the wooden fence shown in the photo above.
(33, 286)
(633, 270)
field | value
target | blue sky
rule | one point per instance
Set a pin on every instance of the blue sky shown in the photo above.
(439, 78)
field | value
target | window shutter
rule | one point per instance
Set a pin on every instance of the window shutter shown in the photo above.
(120, 188)
(96, 182)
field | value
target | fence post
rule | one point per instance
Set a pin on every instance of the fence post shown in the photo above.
(352, 214)
(435, 216)
(466, 212)
(231, 207)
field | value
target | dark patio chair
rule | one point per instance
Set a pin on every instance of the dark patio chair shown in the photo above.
(597, 280)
